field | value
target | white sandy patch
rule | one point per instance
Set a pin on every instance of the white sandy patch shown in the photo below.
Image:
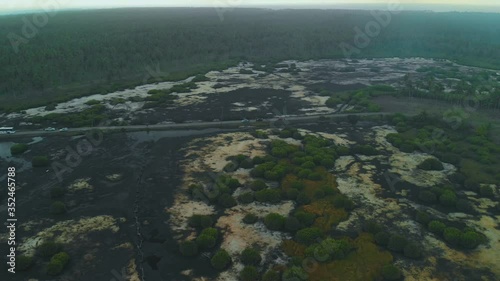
(81, 184)
(405, 164)
(238, 236)
(67, 232)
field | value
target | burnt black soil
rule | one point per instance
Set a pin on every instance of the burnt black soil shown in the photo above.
(220, 106)
(149, 164)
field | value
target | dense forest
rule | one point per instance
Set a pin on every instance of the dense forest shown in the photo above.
(84, 52)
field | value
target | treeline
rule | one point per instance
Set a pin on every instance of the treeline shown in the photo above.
(82, 52)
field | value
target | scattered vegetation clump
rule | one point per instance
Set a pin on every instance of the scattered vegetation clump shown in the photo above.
(250, 219)
(246, 198)
(18, 148)
(307, 236)
(391, 273)
(226, 201)
(220, 260)
(431, 164)
(24, 263)
(57, 263)
(188, 248)
(249, 273)
(329, 249)
(268, 196)
(40, 161)
(207, 238)
(200, 221)
(58, 208)
(270, 275)
(57, 192)
(250, 256)
(258, 185)
(274, 221)
(397, 243)
(49, 248)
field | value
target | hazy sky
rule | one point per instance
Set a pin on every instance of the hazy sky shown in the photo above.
(6, 5)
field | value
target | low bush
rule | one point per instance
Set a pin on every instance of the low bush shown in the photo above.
(220, 260)
(249, 273)
(188, 248)
(250, 256)
(250, 219)
(391, 273)
(200, 221)
(274, 221)
(58, 208)
(19, 148)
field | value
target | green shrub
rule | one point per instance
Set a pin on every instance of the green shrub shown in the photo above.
(57, 263)
(372, 227)
(48, 249)
(246, 164)
(250, 256)
(40, 161)
(200, 221)
(486, 191)
(18, 148)
(249, 273)
(188, 248)
(431, 164)
(413, 251)
(452, 235)
(246, 198)
(210, 231)
(58, 208)
(382, 238)
(226, 201)
(427, 196)
(271, 275)
(396, 243)
(423, 218)
(302, 199)
(205, 241)
(390, 273)
(274, 221)
(23, 263)
(57, 192)
(295, 273)
(220, 260)
(292, 224)
(343, 201)
(470, 239)
(268, 196)
(292, 194)
(306, 219)
(258, 185)
(436, 227)
(464, 206)
(308, 236)
(250, 219)
(448, 199)
(329, 249)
